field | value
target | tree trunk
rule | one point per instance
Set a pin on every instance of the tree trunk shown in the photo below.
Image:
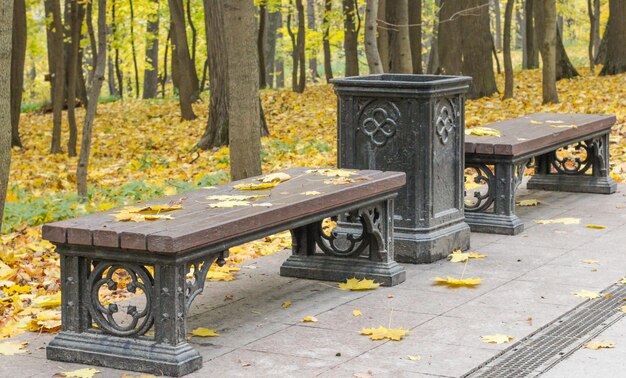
(6, 33)
(243, 87)
(399, 42)
(187, 71)
(216, 132)
(301, 46)
(593, 25)
(531, 47)
(433, 55)
(56, 62)
(596, 34)
(94, 93)
(168, 43)
(415, 34)
(328, 67)
(498, 18)
(274, 21)
(111, 78)
(132, 45)
(350, 43)
(383, 34)
(260, 44)
(564, 67)
(280, 60)
(194, 41)
(449, 38)
(508, 64)
(615, 62)
(295, 60)
(92, 42)
(476, 47)
(371, 45)
(77, 13)
(118, 70)
(548, 51)
(520, 31)
(310, 23)
(18, 57)
(601, 54)
(151, 71)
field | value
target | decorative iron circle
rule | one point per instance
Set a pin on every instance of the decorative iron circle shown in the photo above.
(141, 320)
(572, 164)
(344, 244)
(484, 176)
(445, 120)
(379, 121)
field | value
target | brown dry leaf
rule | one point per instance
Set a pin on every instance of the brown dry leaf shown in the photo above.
(80, 373)
(309, 319)
(11, 348)
(528, 202)
(482, 131)
(595, 226)
(204, 332)
(382, 333)
(600, 345)
(354, 284)
(587, 294)
(455, 282)
(559, 221)
(498, 338)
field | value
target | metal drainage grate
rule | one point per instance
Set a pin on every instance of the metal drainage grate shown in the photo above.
(544, 348)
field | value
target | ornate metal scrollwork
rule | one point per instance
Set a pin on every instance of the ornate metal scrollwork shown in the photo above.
(575, 164)
(484, 176)
(445, 119)
(598, 148)
(379, 121)
(195, 286)
(518, 174)
(138, 321)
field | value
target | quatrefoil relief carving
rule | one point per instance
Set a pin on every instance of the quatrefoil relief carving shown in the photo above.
(380, 125)
(445, 118)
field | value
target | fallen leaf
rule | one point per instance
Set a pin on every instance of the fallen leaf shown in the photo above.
(333, 172)
(554, 122)
(600, 345)
(455, 282)
(382, 333)
(311, 193)
(309, 319)
(262, 204)
(622, 281)
(48, 301)
(344, 180)
(528, 202)
(360, 375)
(623, 308)
(235, 197)
(80, 373)
(255, 186)
(277, 177)
(11, 348)
(354, 284)
(498, 338)
(595, 226)
(286, 304)
(414, 358)
(229, 204)
(482, 131)
(608, 296)
(6, 272)
(157, 217)
(591, 261)
(559, 221)
(586, 294)
(458, 256)
(564, 126)
(204, 332)
(533, 122)
(356, 313)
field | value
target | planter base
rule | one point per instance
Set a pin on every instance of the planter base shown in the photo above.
(427, 246)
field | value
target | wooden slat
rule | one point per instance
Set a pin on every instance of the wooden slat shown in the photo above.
(521, 136)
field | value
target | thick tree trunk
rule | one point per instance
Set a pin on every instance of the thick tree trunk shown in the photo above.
(433, 55)
(594, 27)
(564, 67)
(260, 44)
(476, 47)
(94, 93)
(274, 21)
(301, 46)
(188, 90)
(77, 13)
(399, 42)
(295, 59)
(328, 67)
(310, 23)
(151, 71)
(615, 62)
(415, 34)
(118, 70)
(371, 45)
(508, 65)
(596, 34)
(498, 18)
(18, 57)
(56, 62)
(6, 34)
(350, 43)
(531, 47)
(548, 51)
(383, 34)
(449, 38)
(601, 54)
(243, 87)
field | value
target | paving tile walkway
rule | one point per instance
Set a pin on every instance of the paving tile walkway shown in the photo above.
(527, 282)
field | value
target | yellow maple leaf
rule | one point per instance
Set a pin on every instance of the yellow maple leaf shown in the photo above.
(309, 319)
(455, 282)
(622, 281)
(355, 284)
(235, 197)
(559, 221)
(600, 345)
(153, 217)
(555, 122)
(255, 186)
(229, 204)
(533, 122)
(344, 180)
(6, 272)
(204, 332)
(286, 304)
(311, 193)
(277, 177)
(527, 202)
(48, 301)
(11, 348)
(80, 373)
(482, 131)
(498, 338)
(595, 226)
(623, 308)
(155, 209)
(382, 333)
(591, 261)
(333, 172)
(414, 358)
(587, 294)
(564, 126)
(356, 313)
(458, 256)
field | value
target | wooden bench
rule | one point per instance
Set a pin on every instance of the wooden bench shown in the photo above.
(158, 257)
(499, 163)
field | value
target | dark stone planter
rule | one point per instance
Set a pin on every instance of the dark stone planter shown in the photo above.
(414, 124)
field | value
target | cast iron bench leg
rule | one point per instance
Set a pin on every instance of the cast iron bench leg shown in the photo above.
(361, 252)
(125, 345)
(588, 175)
(494, 211)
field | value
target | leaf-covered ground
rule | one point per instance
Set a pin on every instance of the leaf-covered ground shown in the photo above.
(142, 150)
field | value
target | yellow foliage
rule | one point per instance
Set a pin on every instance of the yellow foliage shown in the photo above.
(204, 332)
(482, 131)
(595, 226)
(559, 221)
(356, 313)
(382, 333)
(458, 256)
(456, 282)
(498, 338)
(256, 186)
(11, 348)
(355, 284)
(309, 319)
(587, 294)
(600, 345)
(528, 202)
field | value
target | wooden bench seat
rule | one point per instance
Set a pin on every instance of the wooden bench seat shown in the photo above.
(159, 257)
(498, 162)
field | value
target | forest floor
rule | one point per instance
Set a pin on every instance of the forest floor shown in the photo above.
(141, 149)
